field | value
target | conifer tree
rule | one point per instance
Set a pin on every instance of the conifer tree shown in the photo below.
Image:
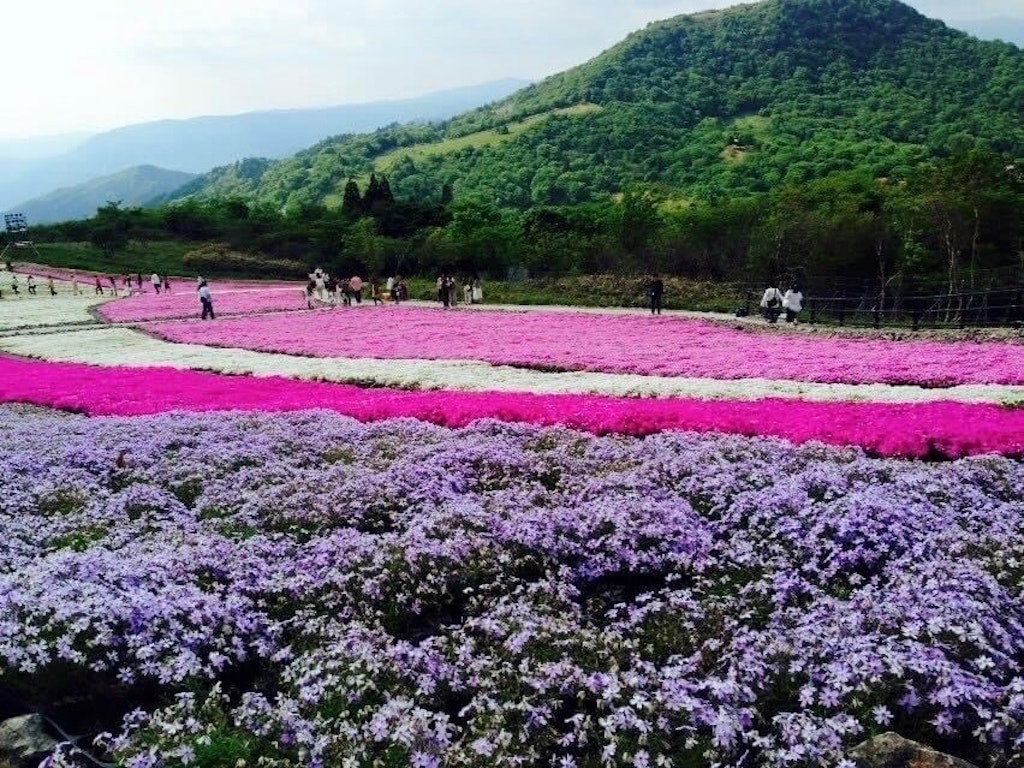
(352, 203)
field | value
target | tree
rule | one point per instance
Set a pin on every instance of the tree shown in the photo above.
(352, 202)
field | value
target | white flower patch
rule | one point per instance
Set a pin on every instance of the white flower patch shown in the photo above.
(123, 346)
(26, 310)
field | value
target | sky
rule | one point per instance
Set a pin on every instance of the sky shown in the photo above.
(92, 65)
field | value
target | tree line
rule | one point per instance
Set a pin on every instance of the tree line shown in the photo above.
(951, 226)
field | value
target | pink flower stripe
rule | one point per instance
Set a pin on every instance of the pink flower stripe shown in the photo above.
(611, 343)
(938, 429)
(228, 299)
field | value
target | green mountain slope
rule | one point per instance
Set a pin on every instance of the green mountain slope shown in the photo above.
(713, 104)
(132, 187)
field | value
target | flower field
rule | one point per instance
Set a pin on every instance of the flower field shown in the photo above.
(340, 546)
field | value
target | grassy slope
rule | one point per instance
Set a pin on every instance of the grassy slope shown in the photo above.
(160, 257)
(384, 163)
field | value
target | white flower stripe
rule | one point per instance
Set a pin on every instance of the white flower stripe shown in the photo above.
(122, 346)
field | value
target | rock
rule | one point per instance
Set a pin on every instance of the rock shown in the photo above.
(890, 750)
(23, 742)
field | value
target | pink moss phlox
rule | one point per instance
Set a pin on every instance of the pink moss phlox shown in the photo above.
(935, 429)
(669, 346)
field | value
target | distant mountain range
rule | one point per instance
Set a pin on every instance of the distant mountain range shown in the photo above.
(132, 187)
(198, 144)
(715, 104)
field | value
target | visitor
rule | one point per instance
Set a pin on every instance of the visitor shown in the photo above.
(448, 294)
(478, 291)
(346, 292)
(138, 281)
(14, 285)
(793, 302)
(467, 292)
(440, 288)
(771, 303)
(155, 280)
(655, 292)
(31, 283)
(98, 290)
(332, 291)
(396, 292)
(401, 290)
(310, 288)
(375, 292)
(206, 300)
(75, 291)
(50, 286)
(167, 284)
(113, 286)
(356, 285)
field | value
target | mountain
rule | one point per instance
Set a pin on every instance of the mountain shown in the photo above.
(198, 144)
(133, 187)
(728, 102)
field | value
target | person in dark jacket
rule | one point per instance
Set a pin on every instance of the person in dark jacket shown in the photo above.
(655, 292)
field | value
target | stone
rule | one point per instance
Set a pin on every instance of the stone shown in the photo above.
(24, 742)
(890, 750)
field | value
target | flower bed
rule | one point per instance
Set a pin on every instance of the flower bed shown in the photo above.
(229, 298)
(123, 346)
(612, 343)
(935, 429)
(506, 595)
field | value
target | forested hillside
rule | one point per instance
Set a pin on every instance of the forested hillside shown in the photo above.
(711, 105)
(852, 145)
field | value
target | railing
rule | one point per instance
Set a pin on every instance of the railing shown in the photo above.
(975, 309)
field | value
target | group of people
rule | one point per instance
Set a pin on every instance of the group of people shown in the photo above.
(448, 290)
(129, 284)
(30, 286)
(101, 285)
(323, 288)
(774, 302)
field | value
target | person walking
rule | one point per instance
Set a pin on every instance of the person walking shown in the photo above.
(74, 284)
(167, 284)
(155, 280)
(355, 284)
(375, 292)
(655, 292)
(50, 286)
(98, 290)
(206, 300)
(31, 282)
(793, 302)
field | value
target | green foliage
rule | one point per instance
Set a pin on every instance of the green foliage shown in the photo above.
(776, 141)
(718, 104)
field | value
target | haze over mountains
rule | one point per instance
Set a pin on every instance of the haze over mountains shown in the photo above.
(28, 171)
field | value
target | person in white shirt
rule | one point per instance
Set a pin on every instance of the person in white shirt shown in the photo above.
(793, 302)
(771, 303)
(206, 299)
(155, 280)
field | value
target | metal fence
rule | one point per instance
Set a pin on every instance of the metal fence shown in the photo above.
(997, 307)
